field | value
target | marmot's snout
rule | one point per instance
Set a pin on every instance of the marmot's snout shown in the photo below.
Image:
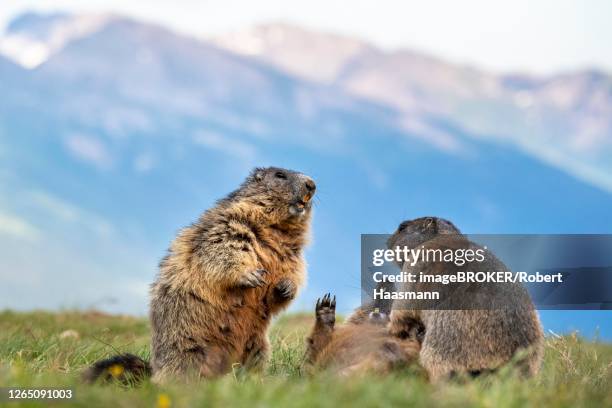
(308, 189)
(378, 317)
(305, 188)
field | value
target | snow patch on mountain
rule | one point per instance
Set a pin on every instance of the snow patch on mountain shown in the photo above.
(32, 38)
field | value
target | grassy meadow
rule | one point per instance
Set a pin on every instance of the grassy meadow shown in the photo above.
(42, 349)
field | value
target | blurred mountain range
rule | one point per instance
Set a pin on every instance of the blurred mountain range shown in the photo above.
(564, 120)
(115, 133)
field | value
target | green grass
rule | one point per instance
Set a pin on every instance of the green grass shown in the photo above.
(33, 353)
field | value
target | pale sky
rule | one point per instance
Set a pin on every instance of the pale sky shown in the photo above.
(540, 36)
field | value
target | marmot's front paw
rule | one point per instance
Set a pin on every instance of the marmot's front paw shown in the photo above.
(325, 310)
(406, 327)
(254, 279)
(285, 290)
(399, 330)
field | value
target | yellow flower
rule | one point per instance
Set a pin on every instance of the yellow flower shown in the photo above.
(116, 370)
(163, 401)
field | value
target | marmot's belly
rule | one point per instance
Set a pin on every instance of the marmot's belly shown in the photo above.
(241, 327)
(368, 347)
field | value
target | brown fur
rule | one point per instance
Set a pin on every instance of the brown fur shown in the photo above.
(227, 274)
(465, 341)
(360, 346)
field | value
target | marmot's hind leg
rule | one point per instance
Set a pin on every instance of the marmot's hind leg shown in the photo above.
(325, 315)
(438, 368)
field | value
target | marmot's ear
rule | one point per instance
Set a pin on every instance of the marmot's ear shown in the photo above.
(403, 225)
(259, 175)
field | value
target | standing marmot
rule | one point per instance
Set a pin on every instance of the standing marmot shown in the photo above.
(362, 345)
(227, 274)
(465, 341)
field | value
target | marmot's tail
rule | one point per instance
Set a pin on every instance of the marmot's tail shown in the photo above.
(127, 369)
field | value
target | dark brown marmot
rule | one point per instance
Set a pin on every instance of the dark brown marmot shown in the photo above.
(227, 274)
(362, 345)
(458, 342)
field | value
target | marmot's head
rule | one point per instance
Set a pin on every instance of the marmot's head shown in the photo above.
(282, 194)
(368, 314)
(412, 233)
(376, 311)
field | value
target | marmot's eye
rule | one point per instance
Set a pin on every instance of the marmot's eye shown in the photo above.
(280, 175)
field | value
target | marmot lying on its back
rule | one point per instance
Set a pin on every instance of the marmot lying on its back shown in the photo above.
(464, 341)
(226, 275)
(361, 345)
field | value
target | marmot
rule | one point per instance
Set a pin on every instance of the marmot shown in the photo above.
(227, 274)
(460, 342)
(362, 345)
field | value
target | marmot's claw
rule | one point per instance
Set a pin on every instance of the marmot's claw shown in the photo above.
(407, 328)
(254, 279)
(326, 309)
(285, 289)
